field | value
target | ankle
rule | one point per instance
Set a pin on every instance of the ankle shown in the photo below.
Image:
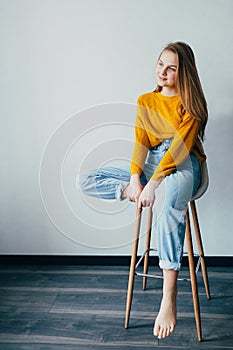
(170, 292)
(124, 193)
(170, 281)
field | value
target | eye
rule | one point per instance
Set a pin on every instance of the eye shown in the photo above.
(172, 69)
(160, 64)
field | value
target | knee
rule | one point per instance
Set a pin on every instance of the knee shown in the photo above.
(174, 199)
(168, 214)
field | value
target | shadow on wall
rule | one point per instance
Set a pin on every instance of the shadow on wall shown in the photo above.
(219, 147)
(216, 206)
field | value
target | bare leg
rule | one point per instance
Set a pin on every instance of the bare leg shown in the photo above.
(166, 320)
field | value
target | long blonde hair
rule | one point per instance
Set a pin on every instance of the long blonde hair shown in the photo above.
(188, 85)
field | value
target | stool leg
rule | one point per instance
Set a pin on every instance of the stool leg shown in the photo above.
(200, 247)
(132, 267)
(193, 277)
(148, 237)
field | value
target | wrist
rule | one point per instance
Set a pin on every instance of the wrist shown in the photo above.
(153, 184)
(135, 180)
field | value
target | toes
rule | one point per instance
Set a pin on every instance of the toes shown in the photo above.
(161, 333)
(165, 332)
(172, 328)
(156, 331)
(168, 332)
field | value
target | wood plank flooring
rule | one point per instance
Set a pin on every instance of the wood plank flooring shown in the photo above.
(83, 307)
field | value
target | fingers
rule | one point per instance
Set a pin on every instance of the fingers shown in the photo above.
(140, 202)
(144, 203)
(132, 199)
(146, 199)
(135, 199)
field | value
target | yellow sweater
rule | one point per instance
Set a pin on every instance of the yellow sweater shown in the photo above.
(157, 119)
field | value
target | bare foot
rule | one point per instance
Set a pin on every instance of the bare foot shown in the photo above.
(125, 192)
(166, 320)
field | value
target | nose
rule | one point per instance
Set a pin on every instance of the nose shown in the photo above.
(163, 71)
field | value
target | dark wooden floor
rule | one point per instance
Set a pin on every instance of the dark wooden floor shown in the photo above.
(81, 307)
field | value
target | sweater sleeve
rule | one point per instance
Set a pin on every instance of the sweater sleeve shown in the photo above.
(181, 146)
(142, 142)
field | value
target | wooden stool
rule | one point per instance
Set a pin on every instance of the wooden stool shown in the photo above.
(133, 266)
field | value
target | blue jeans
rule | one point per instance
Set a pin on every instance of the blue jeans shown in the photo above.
(171, 198)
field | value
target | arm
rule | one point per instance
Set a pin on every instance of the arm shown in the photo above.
(178, 152)
(182, 145)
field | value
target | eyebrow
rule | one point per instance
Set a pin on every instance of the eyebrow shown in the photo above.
(170, 65)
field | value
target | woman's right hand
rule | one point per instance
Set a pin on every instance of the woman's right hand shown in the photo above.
(135, 188)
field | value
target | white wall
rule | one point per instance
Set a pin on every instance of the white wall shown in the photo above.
(71, 71)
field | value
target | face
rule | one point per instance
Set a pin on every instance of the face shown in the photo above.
(166, 70)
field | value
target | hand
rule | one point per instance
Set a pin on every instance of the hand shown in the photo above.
(147, 196)
(133, 191)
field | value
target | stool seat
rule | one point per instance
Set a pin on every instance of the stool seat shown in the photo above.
(204, 182)
(191, 210)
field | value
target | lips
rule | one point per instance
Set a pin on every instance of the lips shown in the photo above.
(163, 79)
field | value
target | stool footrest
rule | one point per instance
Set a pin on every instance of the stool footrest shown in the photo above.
(143, 256)
(141, 274)
(147, 275)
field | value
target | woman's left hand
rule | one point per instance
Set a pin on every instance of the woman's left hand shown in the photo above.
(147, 196)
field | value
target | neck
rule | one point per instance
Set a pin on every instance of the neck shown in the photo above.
(169, 91)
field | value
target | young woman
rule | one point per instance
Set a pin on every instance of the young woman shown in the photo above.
(166, 164)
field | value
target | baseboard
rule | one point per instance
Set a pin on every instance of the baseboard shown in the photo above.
(215, 261)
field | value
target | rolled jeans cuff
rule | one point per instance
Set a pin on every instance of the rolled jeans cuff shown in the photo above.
(169, 265)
